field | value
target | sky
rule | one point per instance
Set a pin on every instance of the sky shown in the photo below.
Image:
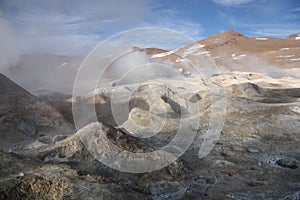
(75, 27)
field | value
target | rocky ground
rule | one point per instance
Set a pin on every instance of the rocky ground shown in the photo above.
(256, 156)
(25, 118)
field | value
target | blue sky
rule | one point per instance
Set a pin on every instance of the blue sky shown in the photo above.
(75, 26)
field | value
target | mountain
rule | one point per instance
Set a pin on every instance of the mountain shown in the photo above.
(25, 118)
(233, 51)
(284, 53)
(230, 50)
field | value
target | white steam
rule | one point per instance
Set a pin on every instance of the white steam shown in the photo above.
(9, 54)
(250, 63)
(127, 62)
(136, 66)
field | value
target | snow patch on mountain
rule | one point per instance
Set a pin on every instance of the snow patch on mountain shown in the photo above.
(284, 49)
(202, 53)
(261, 38)
(193, 49)
(63, 65)
(295, 59)
(181, 60)
(285, 56)
(234, 57)
(162, 54)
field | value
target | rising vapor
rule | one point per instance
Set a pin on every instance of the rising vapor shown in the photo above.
(9, 53)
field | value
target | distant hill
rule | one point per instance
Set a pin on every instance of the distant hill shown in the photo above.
(233, 51)
(24, 118)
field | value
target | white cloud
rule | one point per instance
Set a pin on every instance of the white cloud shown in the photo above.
(269, 30)
(295, 9)
(231, 2)
(62, 26)
(173, 34)
(187, 27)
(63, 44)
(155, 37)
(274, 31)
(166, 18)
